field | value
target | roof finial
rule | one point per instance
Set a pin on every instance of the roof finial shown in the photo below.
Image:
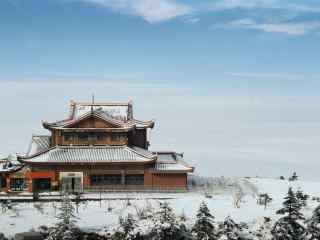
(92, 103)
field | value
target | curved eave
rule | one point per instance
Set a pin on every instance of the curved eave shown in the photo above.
(190, 170)
(129, 162)
(11, 170)
(144, 125)
(122, 129)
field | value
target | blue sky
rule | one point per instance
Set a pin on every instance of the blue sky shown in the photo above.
(242, 76)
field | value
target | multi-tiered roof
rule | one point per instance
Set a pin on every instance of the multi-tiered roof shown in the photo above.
(118, 118)
(118, 114)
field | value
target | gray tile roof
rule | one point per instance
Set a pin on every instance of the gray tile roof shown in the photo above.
(119, 114)
(38, 143)
(178, 166)
(10, 164)
(89, 154)
(171, 161)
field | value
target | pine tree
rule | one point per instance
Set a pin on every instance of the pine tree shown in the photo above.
(126, 231)
(289, 226)
(294, 177)
(229, 230)
(313, 225)
(263, 232)
(165, 224)
(65, 228)
(203, 228)
(302, 197)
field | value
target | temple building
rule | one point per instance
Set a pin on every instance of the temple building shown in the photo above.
(100, 146)
(11, 174)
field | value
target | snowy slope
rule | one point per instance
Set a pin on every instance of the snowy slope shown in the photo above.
(94, 215)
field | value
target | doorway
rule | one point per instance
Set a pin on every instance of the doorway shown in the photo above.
(71, 182)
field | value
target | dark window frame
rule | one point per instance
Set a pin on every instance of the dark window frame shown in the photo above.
(134, 179)
(105, 179)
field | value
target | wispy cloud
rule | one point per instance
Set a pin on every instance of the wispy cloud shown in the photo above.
(279, 16)
(152, 11)
(274, 76)
(290, 28)
(229, 4)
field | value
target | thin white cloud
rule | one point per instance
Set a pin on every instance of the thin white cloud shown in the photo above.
(245, 3)
(152, 11)
(269, 76)
(290, 28)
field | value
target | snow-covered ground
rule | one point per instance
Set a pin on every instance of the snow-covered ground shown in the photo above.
(95, 214)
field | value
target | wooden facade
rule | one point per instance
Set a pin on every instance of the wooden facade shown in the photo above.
(101, 147)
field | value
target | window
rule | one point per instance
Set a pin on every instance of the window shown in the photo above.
(67, 136)
(83, 136)
(3, 182)
(135, 179)
(17, 184)
(100, 180)
(42, 184)
(101, 136)
(115, 137)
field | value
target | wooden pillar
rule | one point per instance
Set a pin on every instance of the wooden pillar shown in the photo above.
(148, 179)
(123, 177)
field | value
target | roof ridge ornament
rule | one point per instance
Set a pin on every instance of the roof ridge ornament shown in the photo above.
(92, 102)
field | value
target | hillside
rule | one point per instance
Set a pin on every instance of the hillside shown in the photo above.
(95, 214)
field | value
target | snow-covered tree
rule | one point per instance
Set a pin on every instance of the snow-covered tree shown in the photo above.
(65, 228)
(289, 227)
(166, 225)
(294, 177)
(313, 225)
(302, 197)
(128, 225)
(263, 230)
(229, 230)
(203, 228)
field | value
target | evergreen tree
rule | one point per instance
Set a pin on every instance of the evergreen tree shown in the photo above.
(229, 230)
(126, 231)
(302, 197)
(294, 177)
(204, 226)
(289, 226)
(263, 232)
(313, 225)
(65, 228)
(165, 224)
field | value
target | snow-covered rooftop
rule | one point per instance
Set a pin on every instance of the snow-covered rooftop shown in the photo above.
(171, 161)
(120, 114)
(116, 111)
(10, 164)
(89, 154)
(38, 143)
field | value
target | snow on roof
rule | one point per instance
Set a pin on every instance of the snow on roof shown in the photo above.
(38, 143)
(178, 166)
(121, 114)
(119, 111)
(10, 164)
(171, 161)
(89, 154)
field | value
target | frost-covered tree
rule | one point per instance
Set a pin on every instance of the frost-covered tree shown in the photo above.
(263, 230)
(313, 225)
(289, 227)
(294, 177)
(166, 225)
(65, 228)
(127, 226)
(203, 228)
(302, 197)
(229, 230)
